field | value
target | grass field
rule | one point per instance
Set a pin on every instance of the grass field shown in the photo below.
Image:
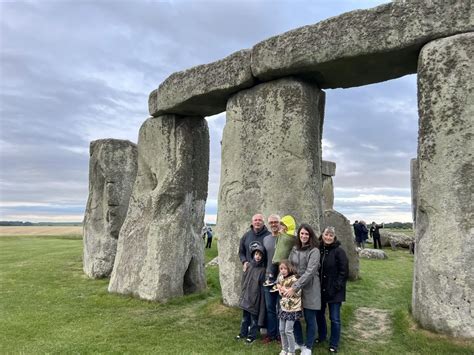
(47, 305)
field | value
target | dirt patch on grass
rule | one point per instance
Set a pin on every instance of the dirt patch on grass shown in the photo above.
(371, 324)
(41, 230)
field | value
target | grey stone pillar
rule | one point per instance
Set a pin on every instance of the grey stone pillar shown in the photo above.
(344, 235)
(328, 170)
(271, 163)
(414, 188)
(444, 256)
(112, 172)
(160, 254)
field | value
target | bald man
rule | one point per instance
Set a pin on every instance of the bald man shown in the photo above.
(256, 233)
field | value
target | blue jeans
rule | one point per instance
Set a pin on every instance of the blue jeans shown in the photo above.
(249, 325)
(335, 317)
(271, 301)
(310, 319)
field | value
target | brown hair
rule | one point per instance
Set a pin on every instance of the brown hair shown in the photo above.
(291, 268)
(313, 241)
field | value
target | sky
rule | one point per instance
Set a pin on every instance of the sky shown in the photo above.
(76, 71)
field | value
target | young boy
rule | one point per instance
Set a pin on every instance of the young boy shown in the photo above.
(251, 298)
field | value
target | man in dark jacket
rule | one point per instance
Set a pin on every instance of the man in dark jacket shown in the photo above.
(375, 234)
(256, 234)
(252, 299)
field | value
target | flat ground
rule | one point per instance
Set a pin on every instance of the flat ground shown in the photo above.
(41, 230)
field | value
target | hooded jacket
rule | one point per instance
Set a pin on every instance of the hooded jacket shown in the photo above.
(249, 237)
(333, 273)
(251, 297)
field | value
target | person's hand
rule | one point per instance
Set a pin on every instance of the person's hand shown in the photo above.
(290, 292)
(246, 265)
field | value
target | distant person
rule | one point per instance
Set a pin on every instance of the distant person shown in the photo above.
(290, 306)
(271, 298)
(375, 234)
(306, 258)
(251, 297)
(209, 238)
(204, 231)
(357, 234)
(256, 233)
(333, 275)
(363, 234)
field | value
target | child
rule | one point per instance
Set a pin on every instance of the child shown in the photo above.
(251, 298)
(290, 307)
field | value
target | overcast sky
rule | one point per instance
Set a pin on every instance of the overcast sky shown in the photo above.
(76, 71)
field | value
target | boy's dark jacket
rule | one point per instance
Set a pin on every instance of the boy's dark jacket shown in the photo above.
(252, 298)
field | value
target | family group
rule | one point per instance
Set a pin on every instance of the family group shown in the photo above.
(288, 277)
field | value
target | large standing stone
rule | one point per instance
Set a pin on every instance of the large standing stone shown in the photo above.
(444, 255)
(328, 170)
(160, 253)
(344, 235)
(204, 89)
(112, 171)
(363, 46)
(414, 188)
(271, 162)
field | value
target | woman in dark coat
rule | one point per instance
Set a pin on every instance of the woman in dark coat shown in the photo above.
(333, 274)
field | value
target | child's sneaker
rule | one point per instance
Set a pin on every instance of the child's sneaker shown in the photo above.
(268, 283)
(238, 337)
(332, 349)
(249, 341)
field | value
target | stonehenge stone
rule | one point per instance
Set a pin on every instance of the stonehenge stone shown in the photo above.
(414, 188)
(443, 281)
(327, 192)
(160, 253)
(202, 90)
(344, 235)
(362, 46)
(372, 254)
(328, 168)
(271, 163)
(112, 172)
(389, 238)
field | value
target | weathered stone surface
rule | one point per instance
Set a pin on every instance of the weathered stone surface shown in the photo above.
(362, 46)
(372, 254)
(271, 162)
(444, 255)
(202, 90)
(112, 172)
(414, 188)
(327, 192)
(344, 235)
(160, 253)
(388, 238)
(328, 168)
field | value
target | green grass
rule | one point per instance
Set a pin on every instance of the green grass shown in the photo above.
(47, 305)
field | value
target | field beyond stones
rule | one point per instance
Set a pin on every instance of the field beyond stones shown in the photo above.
(41, 230)
(47, 305)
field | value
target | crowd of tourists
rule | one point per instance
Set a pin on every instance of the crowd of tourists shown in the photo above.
(291, 274)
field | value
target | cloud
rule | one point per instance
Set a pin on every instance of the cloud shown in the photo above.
(72, 72)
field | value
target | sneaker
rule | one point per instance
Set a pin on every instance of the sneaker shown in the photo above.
(238, 337)
(268, 283)
(249, 341)
(305, 351)
(298, 346)
(274, 289)
(332, 349)
(283, 352)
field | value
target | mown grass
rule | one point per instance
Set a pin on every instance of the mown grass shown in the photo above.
(47, 305)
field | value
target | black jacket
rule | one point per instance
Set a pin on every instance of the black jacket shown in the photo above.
(249, 237)
(251, 297)
(333, 273)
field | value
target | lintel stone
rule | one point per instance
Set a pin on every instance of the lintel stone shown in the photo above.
(363, 46)
(328, 168)
(202, 90)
